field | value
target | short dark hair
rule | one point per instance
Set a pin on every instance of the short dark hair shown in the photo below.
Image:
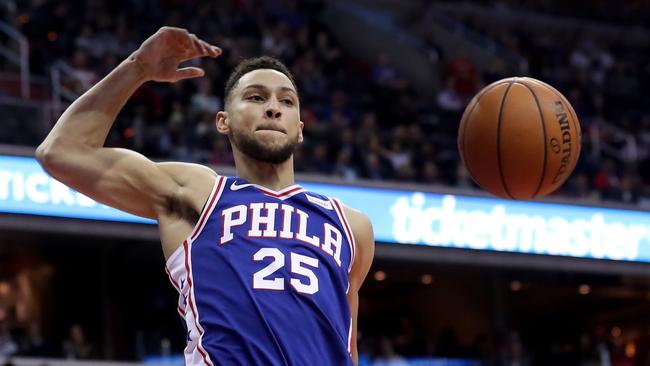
(252, 64)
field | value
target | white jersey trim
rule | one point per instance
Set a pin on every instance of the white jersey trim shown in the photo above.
(169, 264)
(282, 194)
(350, 338)
(210, 204)
(338, 207)
(181, 308)
(215, 194)
(179, 265)
(192, 303)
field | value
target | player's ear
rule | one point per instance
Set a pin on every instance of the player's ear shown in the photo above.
(223, 122)
(301, 125)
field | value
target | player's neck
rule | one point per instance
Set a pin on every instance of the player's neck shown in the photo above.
(271, 176)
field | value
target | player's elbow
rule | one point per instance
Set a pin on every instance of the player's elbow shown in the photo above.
(52, 152)
(44, 154)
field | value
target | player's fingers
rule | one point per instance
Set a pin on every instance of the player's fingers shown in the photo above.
(196, 43)
(167, 28)
(194, 48)
(205, 48)
(179, 37)
(213, 51)
(210, 50)
(189, 72)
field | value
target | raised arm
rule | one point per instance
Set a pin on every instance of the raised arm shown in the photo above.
(73, 152)
(365, 251)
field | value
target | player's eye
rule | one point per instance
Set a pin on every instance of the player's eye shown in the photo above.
(256, 98)
(288, 102)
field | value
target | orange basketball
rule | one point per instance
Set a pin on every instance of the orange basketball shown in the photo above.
(519, 138)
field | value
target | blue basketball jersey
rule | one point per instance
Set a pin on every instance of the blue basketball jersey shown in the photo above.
(263, 278)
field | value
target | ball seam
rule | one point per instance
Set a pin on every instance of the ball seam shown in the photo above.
(574, 122)
(500, 164)
(467, 120)
(541, 114)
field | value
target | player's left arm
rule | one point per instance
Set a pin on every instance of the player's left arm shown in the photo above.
(364, 253)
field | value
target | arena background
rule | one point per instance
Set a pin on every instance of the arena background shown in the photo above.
(459, 278)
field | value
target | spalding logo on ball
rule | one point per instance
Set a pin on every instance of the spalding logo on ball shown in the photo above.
(519, 138)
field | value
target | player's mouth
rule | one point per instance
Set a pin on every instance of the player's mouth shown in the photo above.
(269, 127)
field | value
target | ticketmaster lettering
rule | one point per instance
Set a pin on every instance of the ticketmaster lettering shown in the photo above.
(39, 188)
(493, 228)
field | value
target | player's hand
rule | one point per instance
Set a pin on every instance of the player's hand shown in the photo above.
(161, 54)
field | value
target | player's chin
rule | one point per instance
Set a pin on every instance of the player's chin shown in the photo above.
(278, 147)
(276, 154)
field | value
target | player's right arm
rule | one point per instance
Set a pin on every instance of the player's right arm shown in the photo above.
(74, 152)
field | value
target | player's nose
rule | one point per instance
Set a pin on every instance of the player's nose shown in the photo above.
(273, 109)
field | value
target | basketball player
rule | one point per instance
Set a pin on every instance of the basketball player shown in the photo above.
(268, 273)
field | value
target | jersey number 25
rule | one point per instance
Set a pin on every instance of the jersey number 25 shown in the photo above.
(300, 264)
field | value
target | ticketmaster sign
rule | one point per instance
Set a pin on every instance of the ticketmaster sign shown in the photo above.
(498, 225)
(399, 217)
(26, 189)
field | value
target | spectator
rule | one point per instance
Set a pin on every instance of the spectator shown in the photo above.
(461, 72)
(204, 100)
(320, 162)
(343, 167)
(385, 73)
(76, 346)
(449, 99)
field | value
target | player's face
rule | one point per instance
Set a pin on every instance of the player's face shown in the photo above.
(263, 116)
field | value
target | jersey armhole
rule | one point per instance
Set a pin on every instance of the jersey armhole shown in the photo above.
(338, 207)
(208, 207)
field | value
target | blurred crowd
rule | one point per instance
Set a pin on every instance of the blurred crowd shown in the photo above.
(398, 339)
(508, 349)
(394, 339)
(607, 80)
(361, 120)
(630, 12)
(25, 305)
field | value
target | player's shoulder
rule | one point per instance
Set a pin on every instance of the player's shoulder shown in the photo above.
(195, 182)
(359, 222)
(364, 239)
(189, 173)
(355, 214)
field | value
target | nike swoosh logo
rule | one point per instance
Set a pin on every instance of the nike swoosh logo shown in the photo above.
(235, 187)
